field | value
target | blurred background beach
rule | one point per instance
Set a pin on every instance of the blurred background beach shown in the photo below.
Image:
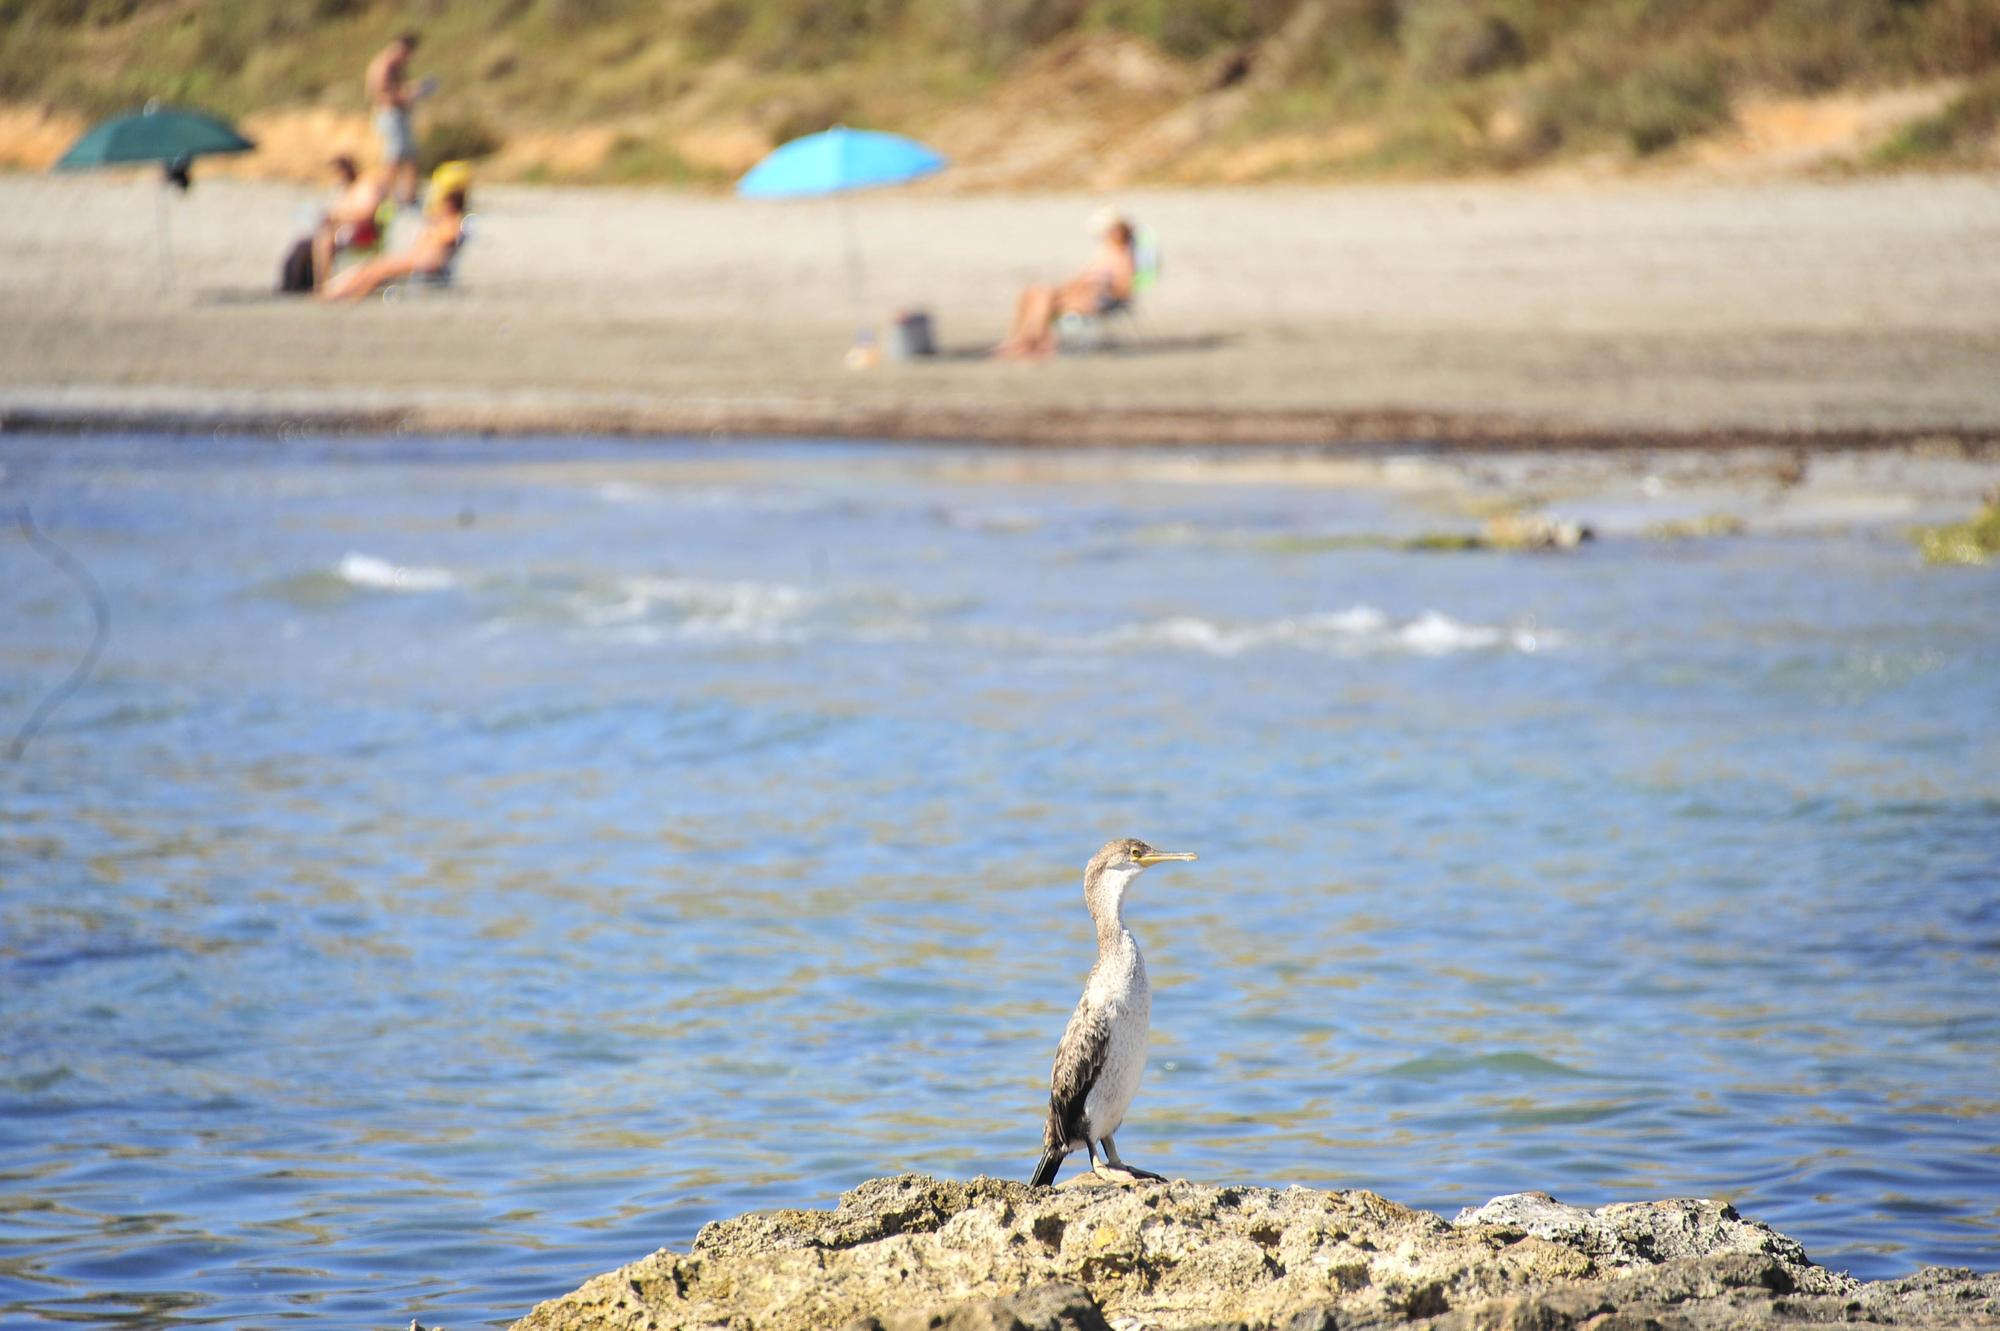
(1515, 221)
(1043, 94)
(565, 768)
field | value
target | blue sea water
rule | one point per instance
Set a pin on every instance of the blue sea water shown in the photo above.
(473, 865)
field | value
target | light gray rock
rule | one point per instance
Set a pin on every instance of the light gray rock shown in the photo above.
(922, 1254)
(1636, 1233)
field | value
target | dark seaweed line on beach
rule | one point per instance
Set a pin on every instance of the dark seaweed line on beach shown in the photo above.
(1358, 432)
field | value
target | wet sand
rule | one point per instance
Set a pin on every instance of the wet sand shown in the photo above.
(1780, 313)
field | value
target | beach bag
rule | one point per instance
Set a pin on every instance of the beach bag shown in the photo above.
(295, 274)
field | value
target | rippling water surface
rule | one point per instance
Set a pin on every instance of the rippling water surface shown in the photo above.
(474, 867)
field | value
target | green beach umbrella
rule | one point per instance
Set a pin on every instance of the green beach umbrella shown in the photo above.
(168, 135)
(156, 134)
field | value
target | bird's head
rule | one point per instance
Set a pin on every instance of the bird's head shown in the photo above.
(1112, 869)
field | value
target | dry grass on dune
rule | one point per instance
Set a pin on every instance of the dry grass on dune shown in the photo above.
(1039, 92)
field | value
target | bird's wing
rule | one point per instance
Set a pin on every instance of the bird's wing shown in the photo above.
(1079, 1058)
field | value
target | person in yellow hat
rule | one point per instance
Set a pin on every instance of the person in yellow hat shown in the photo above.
(448, 177)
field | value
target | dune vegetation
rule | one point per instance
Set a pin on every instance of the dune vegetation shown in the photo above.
(1062, 91)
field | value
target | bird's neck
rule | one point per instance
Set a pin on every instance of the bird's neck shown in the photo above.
(1105, 895)
(1113, 935)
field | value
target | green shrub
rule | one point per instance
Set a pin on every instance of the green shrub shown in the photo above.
(1002, 29)
(1959, 133)
(808, 115)
(460, 138)
(814, 34)
(1658, 106)
(1814, 46)
(1959, 37)
(1192, 29)
(27, 55)
(1448, 43)
(1646, 106)
(637, 159)
(714, 29)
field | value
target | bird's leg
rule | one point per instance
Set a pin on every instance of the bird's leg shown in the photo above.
(1091, 1147)
(1111, 1157)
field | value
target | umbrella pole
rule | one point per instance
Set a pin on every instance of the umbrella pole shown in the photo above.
(857, 276)
(166, 245)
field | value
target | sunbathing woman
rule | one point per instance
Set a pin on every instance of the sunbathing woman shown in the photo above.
(432, 250)
(351, 222)
(1099, 287)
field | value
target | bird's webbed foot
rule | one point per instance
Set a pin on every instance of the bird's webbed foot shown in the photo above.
(1118, 1171)
(1125, 1174)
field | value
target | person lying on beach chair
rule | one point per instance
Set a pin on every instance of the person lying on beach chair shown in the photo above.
(1080, 330)
(355, 220)
(1104, 285)
(431, 253)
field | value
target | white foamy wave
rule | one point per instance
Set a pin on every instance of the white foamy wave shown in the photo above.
(1435, 633)
(759, 611)
(624, 492)
(1361, 628)
(1357, 619)
(646, 610)
(368, 571)
(723, 498)
(994, 521)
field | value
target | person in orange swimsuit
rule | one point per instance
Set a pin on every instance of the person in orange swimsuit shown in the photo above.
(1104, 283)
(432, 250)
(350, 222)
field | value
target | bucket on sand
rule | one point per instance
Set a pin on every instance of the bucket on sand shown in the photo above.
(911, 337)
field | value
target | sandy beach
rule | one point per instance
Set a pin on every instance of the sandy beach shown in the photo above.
(1477, 313)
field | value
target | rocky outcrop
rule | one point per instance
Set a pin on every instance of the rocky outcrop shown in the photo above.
(922, 1254)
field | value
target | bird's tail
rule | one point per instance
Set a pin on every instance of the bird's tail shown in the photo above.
(1045, 1172)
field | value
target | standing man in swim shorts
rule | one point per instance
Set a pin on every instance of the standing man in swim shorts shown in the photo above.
(392, 94)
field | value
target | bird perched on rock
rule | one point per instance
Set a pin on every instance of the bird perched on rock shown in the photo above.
(1103, 1050)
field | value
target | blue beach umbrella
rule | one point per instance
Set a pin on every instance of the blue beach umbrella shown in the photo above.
(839, 161)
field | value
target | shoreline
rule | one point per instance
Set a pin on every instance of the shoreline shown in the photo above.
(1357, 433)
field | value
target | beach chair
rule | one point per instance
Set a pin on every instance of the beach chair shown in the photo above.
(440, 279)
(1093, 332)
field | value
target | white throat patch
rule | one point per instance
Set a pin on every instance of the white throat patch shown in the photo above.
(1120, 878)
(1113, 882)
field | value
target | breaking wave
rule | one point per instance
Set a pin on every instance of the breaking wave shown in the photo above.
(646, 610)
(657, 609)
(368, 571)
(654, 609)
(1361, 628)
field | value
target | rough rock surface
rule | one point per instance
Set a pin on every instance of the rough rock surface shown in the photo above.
(922, 1254)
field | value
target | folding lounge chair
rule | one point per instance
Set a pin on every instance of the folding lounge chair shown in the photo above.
(1090, 332)
(438, 279)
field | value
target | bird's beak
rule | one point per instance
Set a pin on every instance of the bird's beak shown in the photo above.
(1158, 855)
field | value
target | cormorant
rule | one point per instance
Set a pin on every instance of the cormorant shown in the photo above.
(1103, 1050)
